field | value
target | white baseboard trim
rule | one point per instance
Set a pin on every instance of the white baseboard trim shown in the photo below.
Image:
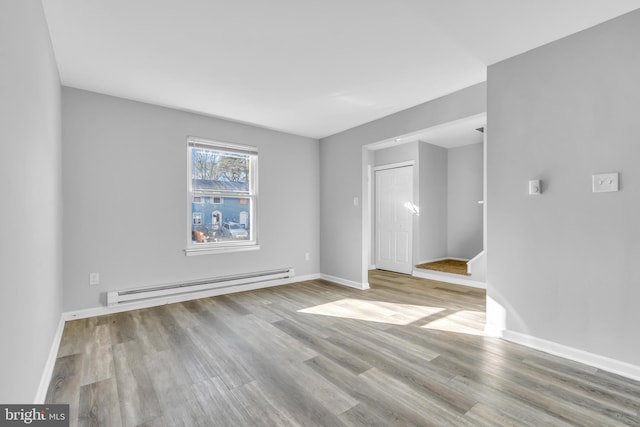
(315, 276)
(493, 331)
(372, 267)
(345, 282)
(456, 279)
(45, 379)
(597, 361)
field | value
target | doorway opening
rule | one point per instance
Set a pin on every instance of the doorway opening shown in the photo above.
(447, 205)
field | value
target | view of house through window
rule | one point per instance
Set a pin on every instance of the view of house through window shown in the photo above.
(222, 193)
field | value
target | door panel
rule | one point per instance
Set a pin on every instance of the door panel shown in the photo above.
(402, 248)
(394, 220)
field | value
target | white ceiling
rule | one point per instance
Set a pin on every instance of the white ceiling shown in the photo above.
(308, 67)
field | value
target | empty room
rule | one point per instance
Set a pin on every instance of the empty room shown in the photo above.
(228, 213)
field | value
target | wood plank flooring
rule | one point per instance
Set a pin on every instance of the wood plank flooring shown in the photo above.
(452, 266)
(407, 352)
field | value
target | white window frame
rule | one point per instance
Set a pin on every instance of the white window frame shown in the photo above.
(223, 246)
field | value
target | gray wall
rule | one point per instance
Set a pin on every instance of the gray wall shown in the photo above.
(433, 202)
(30, 190)
(343, 172)
(396, 154)
(464, 237)
(125, 197)
(563, 264)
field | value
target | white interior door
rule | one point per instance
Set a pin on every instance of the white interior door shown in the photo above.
(394, 219)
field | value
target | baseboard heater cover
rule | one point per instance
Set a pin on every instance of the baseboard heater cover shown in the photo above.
(130, 295)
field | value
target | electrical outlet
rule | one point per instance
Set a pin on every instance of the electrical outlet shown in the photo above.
(94, 279)
(605, 182)
(307, 256)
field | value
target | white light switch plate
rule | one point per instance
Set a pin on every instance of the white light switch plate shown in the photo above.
(604, 182)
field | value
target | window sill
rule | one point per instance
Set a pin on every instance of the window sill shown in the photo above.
(220, 250)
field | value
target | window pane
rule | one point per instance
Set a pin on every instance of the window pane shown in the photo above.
(229, 221)
(220, 171)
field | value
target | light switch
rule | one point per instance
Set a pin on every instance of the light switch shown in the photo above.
(604, 182)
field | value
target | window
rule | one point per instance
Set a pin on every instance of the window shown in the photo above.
(225, 177)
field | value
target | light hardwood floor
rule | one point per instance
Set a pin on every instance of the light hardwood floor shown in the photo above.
(407, 352)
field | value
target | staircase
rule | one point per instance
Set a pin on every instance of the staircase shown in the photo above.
(476, 267)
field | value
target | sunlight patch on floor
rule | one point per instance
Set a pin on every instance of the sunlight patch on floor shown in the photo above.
(373, 311)
(462, 321)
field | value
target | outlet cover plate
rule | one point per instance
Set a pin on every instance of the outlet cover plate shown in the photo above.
(94, 279)
(605, 182)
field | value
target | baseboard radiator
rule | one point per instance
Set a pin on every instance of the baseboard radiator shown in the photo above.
(198, 286)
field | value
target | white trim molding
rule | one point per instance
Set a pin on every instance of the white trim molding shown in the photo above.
(492, 331)
(220, 250)
(47, 373)
(394, 165)
(456, 279)
(595, 360)
(345, 282)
